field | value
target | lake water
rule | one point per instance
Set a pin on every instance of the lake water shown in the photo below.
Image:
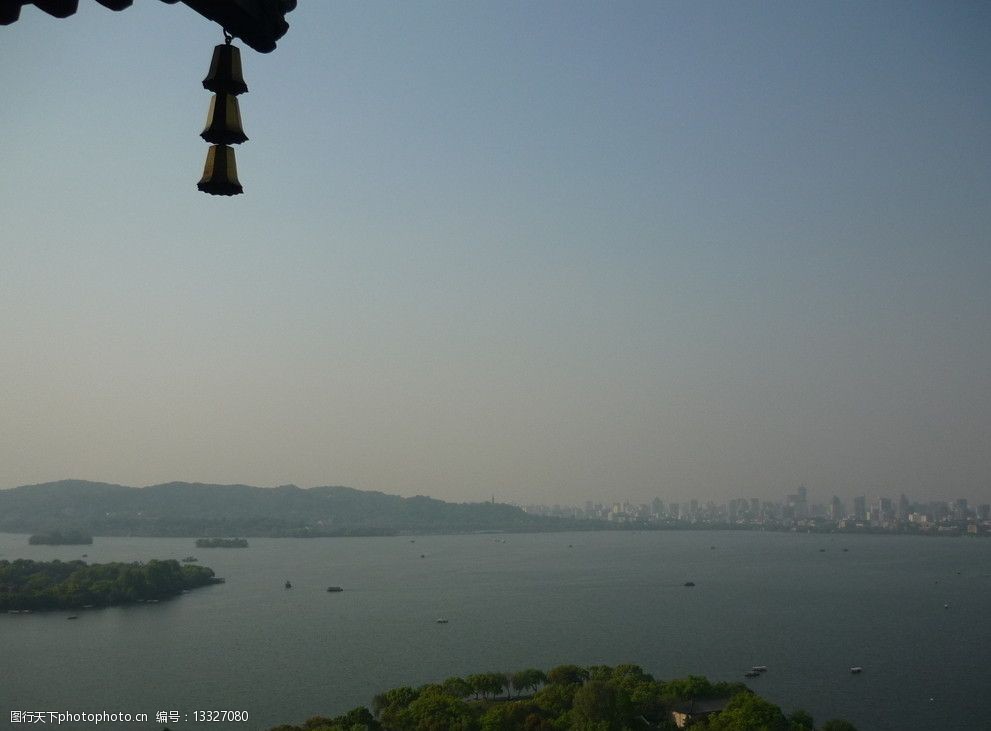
(516, 601)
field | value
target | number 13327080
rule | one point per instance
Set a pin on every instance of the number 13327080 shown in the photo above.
(220, 716)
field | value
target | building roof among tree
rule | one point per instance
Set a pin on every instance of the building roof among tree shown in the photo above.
(700, 706)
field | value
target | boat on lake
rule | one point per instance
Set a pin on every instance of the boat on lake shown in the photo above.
(441, 621)
(289, 585)
(856, 669)
(334, 588)
(759, 668)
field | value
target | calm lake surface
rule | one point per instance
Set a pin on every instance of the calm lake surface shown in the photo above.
(516, 601)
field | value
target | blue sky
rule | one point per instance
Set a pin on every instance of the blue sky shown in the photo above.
(549, 251)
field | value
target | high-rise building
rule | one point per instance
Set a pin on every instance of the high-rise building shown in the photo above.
(797, 505)
(860, 508)
(885, 510)
(836, 511)
(903, 509)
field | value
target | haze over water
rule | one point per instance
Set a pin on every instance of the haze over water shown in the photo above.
(516, 601)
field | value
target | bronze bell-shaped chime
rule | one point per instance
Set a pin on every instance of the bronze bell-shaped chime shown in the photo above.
(223, 122)
(225, 70)
(220, 172)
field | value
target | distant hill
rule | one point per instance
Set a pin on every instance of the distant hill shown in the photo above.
(193, 509)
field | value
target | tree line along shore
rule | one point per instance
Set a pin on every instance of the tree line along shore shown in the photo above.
(570, 698)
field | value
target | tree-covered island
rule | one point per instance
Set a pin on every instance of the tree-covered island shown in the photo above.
(570, 698)
(221, 543)
(26, 584)
(61, 538)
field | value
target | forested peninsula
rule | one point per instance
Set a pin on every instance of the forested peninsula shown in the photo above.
(570, 697)
(35, 585)
(193, 510)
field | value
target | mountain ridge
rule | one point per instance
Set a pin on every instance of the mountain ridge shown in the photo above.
(198, 509)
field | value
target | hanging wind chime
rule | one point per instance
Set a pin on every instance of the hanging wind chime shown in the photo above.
(223, 121)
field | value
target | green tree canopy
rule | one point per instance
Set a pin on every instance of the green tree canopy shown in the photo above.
(801, 720)
(436, 712)
(510, 716)
(749, 712)
(567, 674)
(529, 679)
(556, 698)
(486, 684)
(457, 687)
(389, 706)
(600, 703)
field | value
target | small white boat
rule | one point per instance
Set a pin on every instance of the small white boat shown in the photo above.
(759, 668)
(856, 669)
(441, 621)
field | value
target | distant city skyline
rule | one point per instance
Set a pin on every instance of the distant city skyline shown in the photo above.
(803, 504)
(548, 251)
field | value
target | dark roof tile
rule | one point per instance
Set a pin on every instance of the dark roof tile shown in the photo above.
(259, 23)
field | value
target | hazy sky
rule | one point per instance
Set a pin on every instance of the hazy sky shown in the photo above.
(551, 251)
